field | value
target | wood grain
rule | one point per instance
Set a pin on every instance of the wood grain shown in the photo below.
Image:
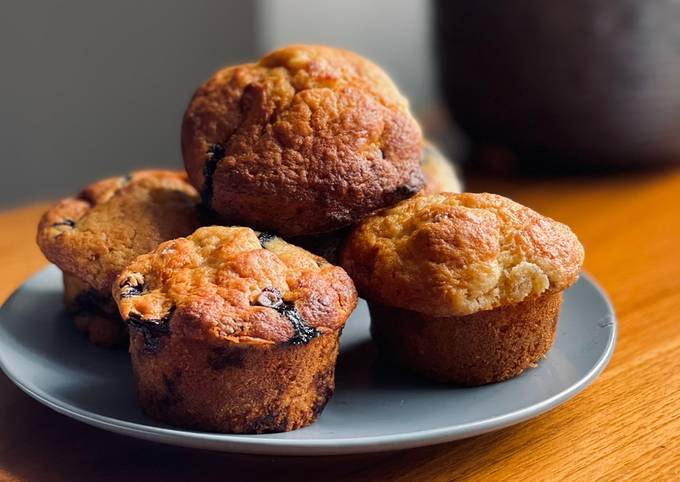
(626, 426)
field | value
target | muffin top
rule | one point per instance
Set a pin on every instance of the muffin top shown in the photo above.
(438, 171)
(307, 140)
(94, 235)
(234, 285)
(457, 254)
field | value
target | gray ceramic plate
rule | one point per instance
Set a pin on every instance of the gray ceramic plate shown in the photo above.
(375, 407)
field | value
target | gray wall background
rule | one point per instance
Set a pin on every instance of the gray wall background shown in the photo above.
(90, 89)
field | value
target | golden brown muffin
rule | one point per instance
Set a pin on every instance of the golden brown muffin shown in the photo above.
(440, 176)
(93, 236)
(233, 330)
(439, 173)
(463, 288)
(307, 140)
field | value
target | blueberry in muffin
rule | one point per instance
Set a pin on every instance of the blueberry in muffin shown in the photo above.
(463, 288)
(234, 331)
(91, 237)
(307, 140)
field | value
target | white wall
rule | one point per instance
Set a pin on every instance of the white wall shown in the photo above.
(89, 89)
(393, 33)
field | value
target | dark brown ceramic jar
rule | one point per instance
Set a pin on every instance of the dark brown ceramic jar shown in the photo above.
(583, 82)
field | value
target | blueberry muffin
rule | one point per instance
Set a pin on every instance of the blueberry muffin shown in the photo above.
(234, 331)
(463, 288)
(91, 237)
(438, 172)
(307, 140)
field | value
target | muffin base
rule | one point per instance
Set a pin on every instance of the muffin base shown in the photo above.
(233, 388)
(485, 347)
(93, 312)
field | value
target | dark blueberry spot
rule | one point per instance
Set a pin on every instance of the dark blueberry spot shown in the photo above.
(221, 358)
(216, 153)
(66, 222)
(127, 178)
(132, 286)
(270, 297)
(302, 332)
(92, 303)
(265, 237)
(153, 330)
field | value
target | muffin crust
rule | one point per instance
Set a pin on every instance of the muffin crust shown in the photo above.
(95, 234)
(227, 285)
(458, 254)
(321, 128)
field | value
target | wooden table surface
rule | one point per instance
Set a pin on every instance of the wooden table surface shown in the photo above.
(626, 426)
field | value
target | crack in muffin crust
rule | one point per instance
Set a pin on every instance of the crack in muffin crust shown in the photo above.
(215, 155)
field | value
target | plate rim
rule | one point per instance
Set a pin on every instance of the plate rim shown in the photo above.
(260, 444)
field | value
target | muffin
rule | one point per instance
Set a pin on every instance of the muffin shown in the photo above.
(307, 140)
(234, 331)
(463, 288)
(93, 236)
(439, 174)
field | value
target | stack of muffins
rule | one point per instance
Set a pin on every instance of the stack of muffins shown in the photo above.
(223, 279)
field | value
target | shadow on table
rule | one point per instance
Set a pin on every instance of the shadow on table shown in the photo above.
(362, 367)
